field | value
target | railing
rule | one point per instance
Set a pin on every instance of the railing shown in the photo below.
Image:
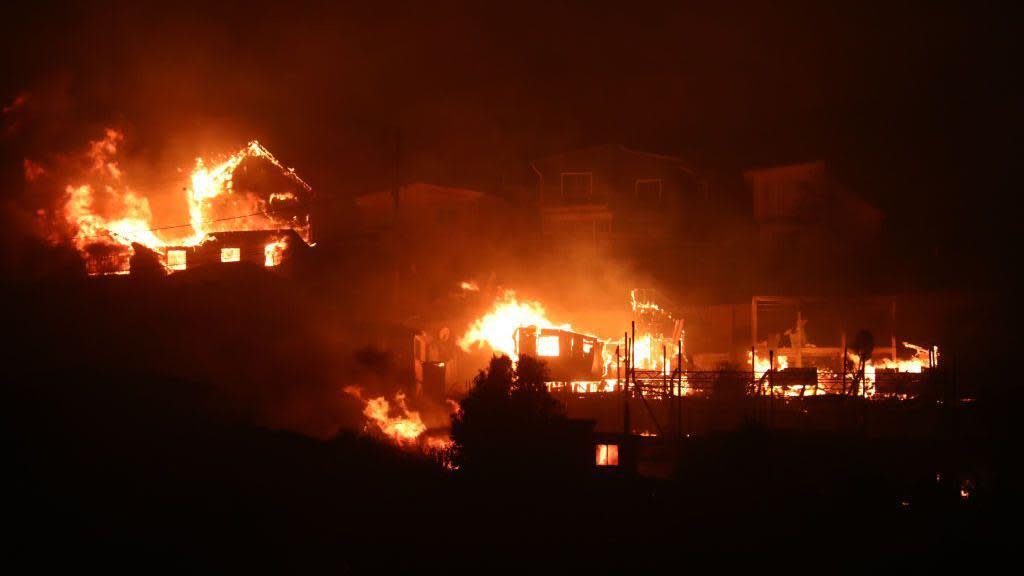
(801, 383)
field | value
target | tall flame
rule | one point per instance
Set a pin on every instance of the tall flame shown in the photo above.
(106, 217)
(497, 328)
(404, 428)
(216, 183)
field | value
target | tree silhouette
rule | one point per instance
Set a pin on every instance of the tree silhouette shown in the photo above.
(509, 426)
(863, 345)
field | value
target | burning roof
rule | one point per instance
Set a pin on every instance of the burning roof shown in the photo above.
(102, 215)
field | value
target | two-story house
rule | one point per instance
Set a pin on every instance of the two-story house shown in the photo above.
(613, 199)
(812, 231)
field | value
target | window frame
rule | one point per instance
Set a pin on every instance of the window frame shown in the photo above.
(590, 185)
(183, 265)
(661, 190)
(611, 455)
(227, 250)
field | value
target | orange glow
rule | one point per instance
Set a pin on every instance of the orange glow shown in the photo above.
(547, 345)
(762, 364)
(404, 428)
(273, 253)
(212, 197)
(914, 365)
(607, 455)
(497, 328)
(176, 260)
(105, 216)
(230, 254)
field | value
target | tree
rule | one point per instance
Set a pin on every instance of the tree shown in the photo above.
(863, 345)
(509, 426)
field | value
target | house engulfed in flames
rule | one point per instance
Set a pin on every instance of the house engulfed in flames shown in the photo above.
(653, 383)
(262, 247)
(247, 207)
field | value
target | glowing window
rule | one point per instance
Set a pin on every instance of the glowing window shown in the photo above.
(547, 346)
(273, 253)
(230, 254)
(175, 259)
(607, 455)
(587, 347)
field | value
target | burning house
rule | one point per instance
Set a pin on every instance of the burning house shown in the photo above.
(653, 383)
(570, 356)
(247, 207)
(268, 248)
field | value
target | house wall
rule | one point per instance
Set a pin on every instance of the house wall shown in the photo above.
(811, 232)
(631, 200)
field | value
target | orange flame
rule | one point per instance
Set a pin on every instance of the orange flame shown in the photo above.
(273, 253)
(404, 429)
(103, 212)
(497, 328)
(212, 193)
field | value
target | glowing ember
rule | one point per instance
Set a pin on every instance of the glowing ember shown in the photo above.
(762, 364)
(913, 365)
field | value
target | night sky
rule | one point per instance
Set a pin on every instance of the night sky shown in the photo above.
(910, 104)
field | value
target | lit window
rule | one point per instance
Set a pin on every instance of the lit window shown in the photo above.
(175, 259)
(587, 347)
(230, 254)
(607, 455)
(547, 346)
(273, 253)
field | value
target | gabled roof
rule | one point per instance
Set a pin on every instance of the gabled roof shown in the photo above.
(607, 152)
(419, 193)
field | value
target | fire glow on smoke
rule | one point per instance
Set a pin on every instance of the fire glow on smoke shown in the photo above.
(104, 216)
(496, 329)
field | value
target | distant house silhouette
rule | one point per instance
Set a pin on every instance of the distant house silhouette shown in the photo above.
(594, 198)
(810, 228)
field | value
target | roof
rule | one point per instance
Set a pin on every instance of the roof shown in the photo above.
(816, 168)
(230, 236)
(606, 152)
(419, 194)
(849, 202)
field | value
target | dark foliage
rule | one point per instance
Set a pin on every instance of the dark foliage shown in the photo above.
(509, 425)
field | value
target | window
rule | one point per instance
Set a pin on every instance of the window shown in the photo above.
(607, 455)
(176, 260)
(547, 345)
(577, 186)
(273, 253)
(230, 254)
(648, 192)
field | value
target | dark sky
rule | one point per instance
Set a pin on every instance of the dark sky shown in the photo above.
(911, 104)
